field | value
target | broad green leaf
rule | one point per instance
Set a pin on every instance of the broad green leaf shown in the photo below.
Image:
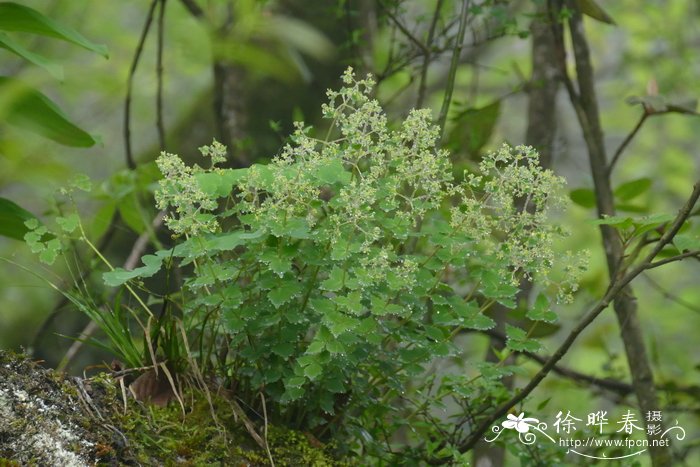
(340, 249)
(13, 218)
(6, 42)
(283, 349)
(322, 305)
(229, 241)
(659, 104)
(592, 9)
(152, 264)
(472, 318)
(646, 223)
(49, 254)
(517, 340)
(474, 126)
(334, 281)
(15, 17)
(631, 190)
(479, 321)
(339, 323)
(80, 181)
(279, 265)
(294, 382)
(284, 292)
(327, 402)
(313, 371)
(332, 172)
(621, 222)
(279, 262)
(297, 228)
(315, 347)
(654, 219)
(335, 347)
(68, 223)
(628, 207)
(102, 219)
(301, 36)
(130, 212)
(220, 182)
(351, 302)
(687, 242)
(436, 333)
(35, 112)
(584, 197)
(540, 311)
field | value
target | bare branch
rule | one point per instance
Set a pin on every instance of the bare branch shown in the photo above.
(194, 9)
(456, 54)
(428, 55)
(674, 298)
(609, 384)
(626, 141)
(406, 32)
(687, 254)
(160, 125)
(130, 83)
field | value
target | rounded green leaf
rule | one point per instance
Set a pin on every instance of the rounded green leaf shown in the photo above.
(584, 197)
(631, 190)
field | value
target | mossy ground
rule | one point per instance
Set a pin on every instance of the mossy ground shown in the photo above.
(48, 419)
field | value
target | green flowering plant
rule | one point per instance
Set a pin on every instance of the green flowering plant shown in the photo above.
(334, 279)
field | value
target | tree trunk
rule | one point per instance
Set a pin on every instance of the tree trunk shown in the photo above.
(625, 305)
(541, 129)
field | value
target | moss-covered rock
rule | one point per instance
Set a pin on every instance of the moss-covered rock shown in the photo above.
(49, 419)
(44, 421)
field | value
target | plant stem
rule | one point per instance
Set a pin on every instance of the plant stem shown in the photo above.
(456, 54)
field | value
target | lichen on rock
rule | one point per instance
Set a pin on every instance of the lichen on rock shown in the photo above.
(41, 423)
(47, 418)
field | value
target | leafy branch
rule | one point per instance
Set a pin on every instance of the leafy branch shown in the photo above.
(616, 286)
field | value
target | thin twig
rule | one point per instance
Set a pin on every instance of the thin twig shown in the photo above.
(130, 83)
(457, 52)
(627, 141)
(159, 77)
(427, 55)
(194, 9)
(687, 254)
(668, 295)
(406, 32)
(267, 445)
(614, 385)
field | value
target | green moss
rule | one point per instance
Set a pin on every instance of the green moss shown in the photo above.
(88, 425)
(201, 438)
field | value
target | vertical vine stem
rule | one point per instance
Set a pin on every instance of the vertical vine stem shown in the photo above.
(160, 123)
(456, 54)
(130, 84)
(428, 55)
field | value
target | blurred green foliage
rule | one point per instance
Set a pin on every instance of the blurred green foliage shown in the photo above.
(290, 53)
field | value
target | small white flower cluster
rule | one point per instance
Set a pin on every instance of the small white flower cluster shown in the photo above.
(371, 188)
(506, 209)
(179, 191)
(216, 152)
